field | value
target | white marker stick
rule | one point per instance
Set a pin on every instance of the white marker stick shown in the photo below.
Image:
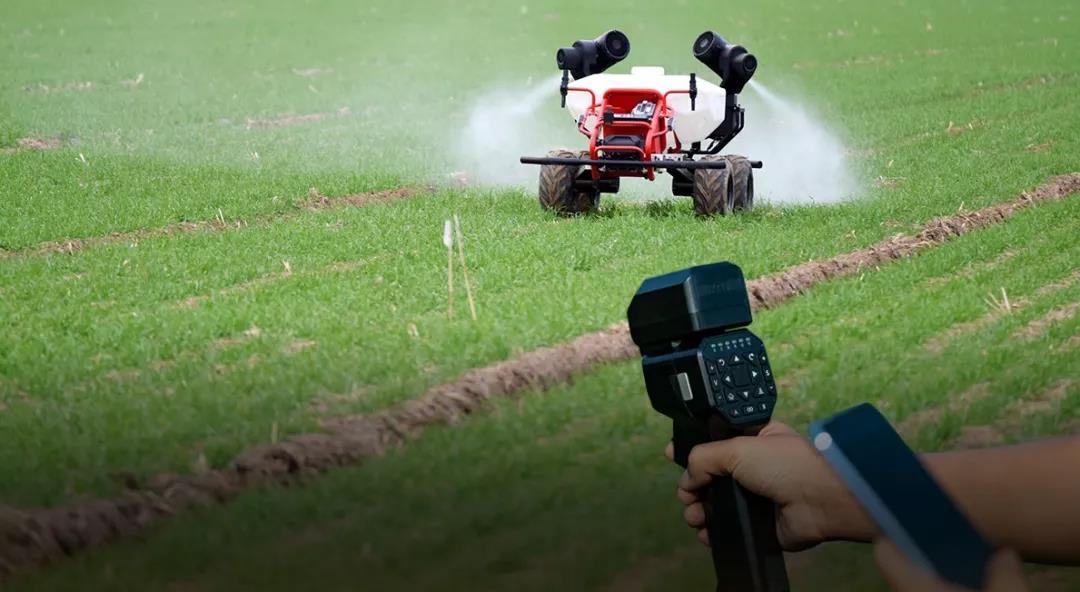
(448, 240)
(464, 268)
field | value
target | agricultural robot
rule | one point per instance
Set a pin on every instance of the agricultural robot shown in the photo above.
(648, 121)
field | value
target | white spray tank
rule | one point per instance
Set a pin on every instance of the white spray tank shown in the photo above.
(690, 126)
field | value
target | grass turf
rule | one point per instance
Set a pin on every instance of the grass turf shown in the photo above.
(536, 495)
(101, 367)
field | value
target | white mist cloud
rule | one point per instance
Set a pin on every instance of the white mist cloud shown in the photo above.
(506, 123)
(805, 162)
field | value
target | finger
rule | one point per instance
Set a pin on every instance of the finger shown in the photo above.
(707, 460)
(777, 428)
(669, 451)
(686, 497)
(703, 536)
(901, 574)
(694, 514)
(1005, 573)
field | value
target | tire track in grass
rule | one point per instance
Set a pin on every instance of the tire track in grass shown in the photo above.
(314, 201)
(998, 308)
(36, 536)
(1009, 424)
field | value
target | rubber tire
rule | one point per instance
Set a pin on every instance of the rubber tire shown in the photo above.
(713, 190)
(557, 192)
(742, 182)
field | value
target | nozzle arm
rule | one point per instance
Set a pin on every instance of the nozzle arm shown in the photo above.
(563, 87)
(693, 91)
(726, 131)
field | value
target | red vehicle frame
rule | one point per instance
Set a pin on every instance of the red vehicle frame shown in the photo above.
(620, 101)
(630, 132)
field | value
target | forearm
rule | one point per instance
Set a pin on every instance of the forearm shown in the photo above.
(1024, 497)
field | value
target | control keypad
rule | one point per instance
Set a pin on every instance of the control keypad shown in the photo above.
(740, 377)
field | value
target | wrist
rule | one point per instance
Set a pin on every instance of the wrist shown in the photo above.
(843, 518)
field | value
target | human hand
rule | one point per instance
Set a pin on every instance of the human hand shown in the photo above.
(812, 504)
(1003, 573)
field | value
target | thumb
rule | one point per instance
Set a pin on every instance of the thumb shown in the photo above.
(1005, 573)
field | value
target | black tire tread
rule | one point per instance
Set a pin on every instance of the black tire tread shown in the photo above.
(742, 186)
(712, 190)
(557, 192)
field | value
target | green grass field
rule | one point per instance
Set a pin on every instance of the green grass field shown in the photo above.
(149, 354)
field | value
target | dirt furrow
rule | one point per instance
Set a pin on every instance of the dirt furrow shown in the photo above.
(36, 536)
(314, 201)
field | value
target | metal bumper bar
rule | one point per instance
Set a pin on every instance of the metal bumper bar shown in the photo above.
(644, 164)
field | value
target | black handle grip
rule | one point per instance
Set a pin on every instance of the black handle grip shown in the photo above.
(742, 525)
(742, 537)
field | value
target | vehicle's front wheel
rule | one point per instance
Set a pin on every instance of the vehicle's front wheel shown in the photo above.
(712, 190)
(742, 182)
(557, 192)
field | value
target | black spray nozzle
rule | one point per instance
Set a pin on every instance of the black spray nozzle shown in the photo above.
(732, 63)
(593, 56)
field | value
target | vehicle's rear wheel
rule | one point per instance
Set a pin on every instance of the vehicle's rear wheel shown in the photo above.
(713, 190)
(557, 191)
(742, 182)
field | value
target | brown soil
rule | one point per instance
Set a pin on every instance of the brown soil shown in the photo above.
(318, 201)
(315, 201)
(1039, 326)
(914, 423)
(35, 536)
(939, 342)
(298, 345)
(308, 72)
(270, 278)
(955, 130)
(62, 87)
(32, 143)
(1010, 422)
(290, 120)
(976, 437)
(39, 143)
(1044, 402)
(193, 301)
(971, 270)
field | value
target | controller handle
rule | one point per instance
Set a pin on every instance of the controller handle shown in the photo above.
(742, 525)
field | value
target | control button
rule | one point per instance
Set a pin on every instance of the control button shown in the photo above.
(762, 407)
(754, 374)
(764, 358)
(721, 362)
(710, 366)
(728, 380)
(736, 359)
(752, 357)
(735, 412)
(731, 397)
(749, 409)
(714, 382)
(741, 375)
(772, 387)
(766, 371)
(745, 394)
(759, 392)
